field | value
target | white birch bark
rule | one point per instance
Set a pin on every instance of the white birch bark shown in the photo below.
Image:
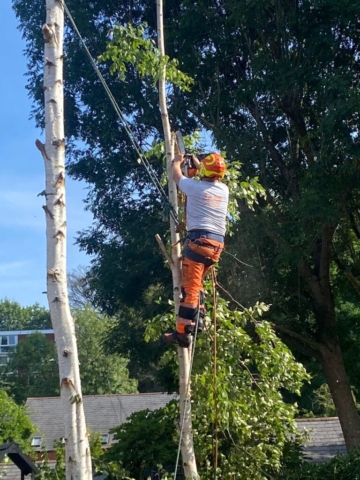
(78, 459)
(187, 444)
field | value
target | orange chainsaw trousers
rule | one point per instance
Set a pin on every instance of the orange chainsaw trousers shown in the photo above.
(198, 257)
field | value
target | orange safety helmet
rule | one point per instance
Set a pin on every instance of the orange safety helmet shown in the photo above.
(212, 165)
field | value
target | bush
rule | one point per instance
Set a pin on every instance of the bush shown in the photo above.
(341, 467)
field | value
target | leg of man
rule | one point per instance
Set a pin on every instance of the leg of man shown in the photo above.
(192, 302)
(191, 288)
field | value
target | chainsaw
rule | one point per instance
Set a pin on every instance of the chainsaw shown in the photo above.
(190, 167)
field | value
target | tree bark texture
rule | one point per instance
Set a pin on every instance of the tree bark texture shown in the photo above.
(331, 359)
(187, 444)
(78, 459)
(336, 377)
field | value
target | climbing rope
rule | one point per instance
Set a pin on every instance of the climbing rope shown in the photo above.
(124, 122)
(216, 421)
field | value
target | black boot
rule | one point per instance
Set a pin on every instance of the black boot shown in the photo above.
(175, 338)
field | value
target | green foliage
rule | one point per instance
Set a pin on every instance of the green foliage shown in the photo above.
(15, 317)
(32, 370)
(148, 440)
(57, 472)
(323, 404)
(245, 399)
(50, 472)
(131, 45)
(341, 467)
(15, 426)
(101, 373)
(248, 190)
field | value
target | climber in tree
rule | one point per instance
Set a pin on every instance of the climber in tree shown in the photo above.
(206, 210)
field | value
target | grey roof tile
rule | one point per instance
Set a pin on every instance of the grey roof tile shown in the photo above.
(102, 412)
(325, 438)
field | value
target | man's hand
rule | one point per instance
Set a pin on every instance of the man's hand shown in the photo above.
(179, 158)
(196, 162)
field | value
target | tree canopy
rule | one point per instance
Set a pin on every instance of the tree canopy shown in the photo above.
(13, 316)
(276, 85)
(32, 370)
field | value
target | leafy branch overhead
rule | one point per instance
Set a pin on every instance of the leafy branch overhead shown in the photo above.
(131, 45)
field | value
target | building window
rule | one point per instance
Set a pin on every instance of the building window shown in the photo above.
(36, 441)
(7, 343)
(105, 439)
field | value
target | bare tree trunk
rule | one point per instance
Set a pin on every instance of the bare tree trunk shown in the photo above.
(187, 444)
(331, 357)
(335, 374)
(78, 460)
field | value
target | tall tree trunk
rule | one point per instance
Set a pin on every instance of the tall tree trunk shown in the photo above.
(318, 280)
(335, 374)
(187, 444)
(78, 460)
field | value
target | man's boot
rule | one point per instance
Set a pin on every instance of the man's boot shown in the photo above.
(175, 338)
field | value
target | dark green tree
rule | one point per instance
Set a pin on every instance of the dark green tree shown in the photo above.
(32, 370)
(145, 442)
(278, 87)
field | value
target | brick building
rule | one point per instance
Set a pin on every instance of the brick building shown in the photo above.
(9, 339)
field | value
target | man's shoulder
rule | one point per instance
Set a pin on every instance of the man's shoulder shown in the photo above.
(187, 183)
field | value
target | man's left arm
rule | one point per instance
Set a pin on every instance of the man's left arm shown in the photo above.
(176, 168)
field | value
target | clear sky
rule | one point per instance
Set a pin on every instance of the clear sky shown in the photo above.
(22, 177)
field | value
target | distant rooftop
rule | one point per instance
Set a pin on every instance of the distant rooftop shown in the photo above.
(25, 332)
(326, 438)
(102, 412)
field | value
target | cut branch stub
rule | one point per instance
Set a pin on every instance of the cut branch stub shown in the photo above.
(59, 143)
(67, 382)
(54, 275)
(60, 201)
(48, 33)
(60, 235)
(47, 211)
(60, 181)
(48, 63)
(40, 146)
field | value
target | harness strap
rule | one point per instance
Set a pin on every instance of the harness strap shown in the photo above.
(204, 234)
(196, 257)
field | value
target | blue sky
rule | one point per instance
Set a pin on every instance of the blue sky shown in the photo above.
(22, 220)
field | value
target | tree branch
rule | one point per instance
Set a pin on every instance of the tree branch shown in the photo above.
(316, 347)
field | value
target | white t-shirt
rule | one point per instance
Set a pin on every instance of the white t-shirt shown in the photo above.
(206, 206)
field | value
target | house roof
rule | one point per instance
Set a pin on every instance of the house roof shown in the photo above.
(22, 461)
(102, 412)
(25, 332)
(326, 438)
